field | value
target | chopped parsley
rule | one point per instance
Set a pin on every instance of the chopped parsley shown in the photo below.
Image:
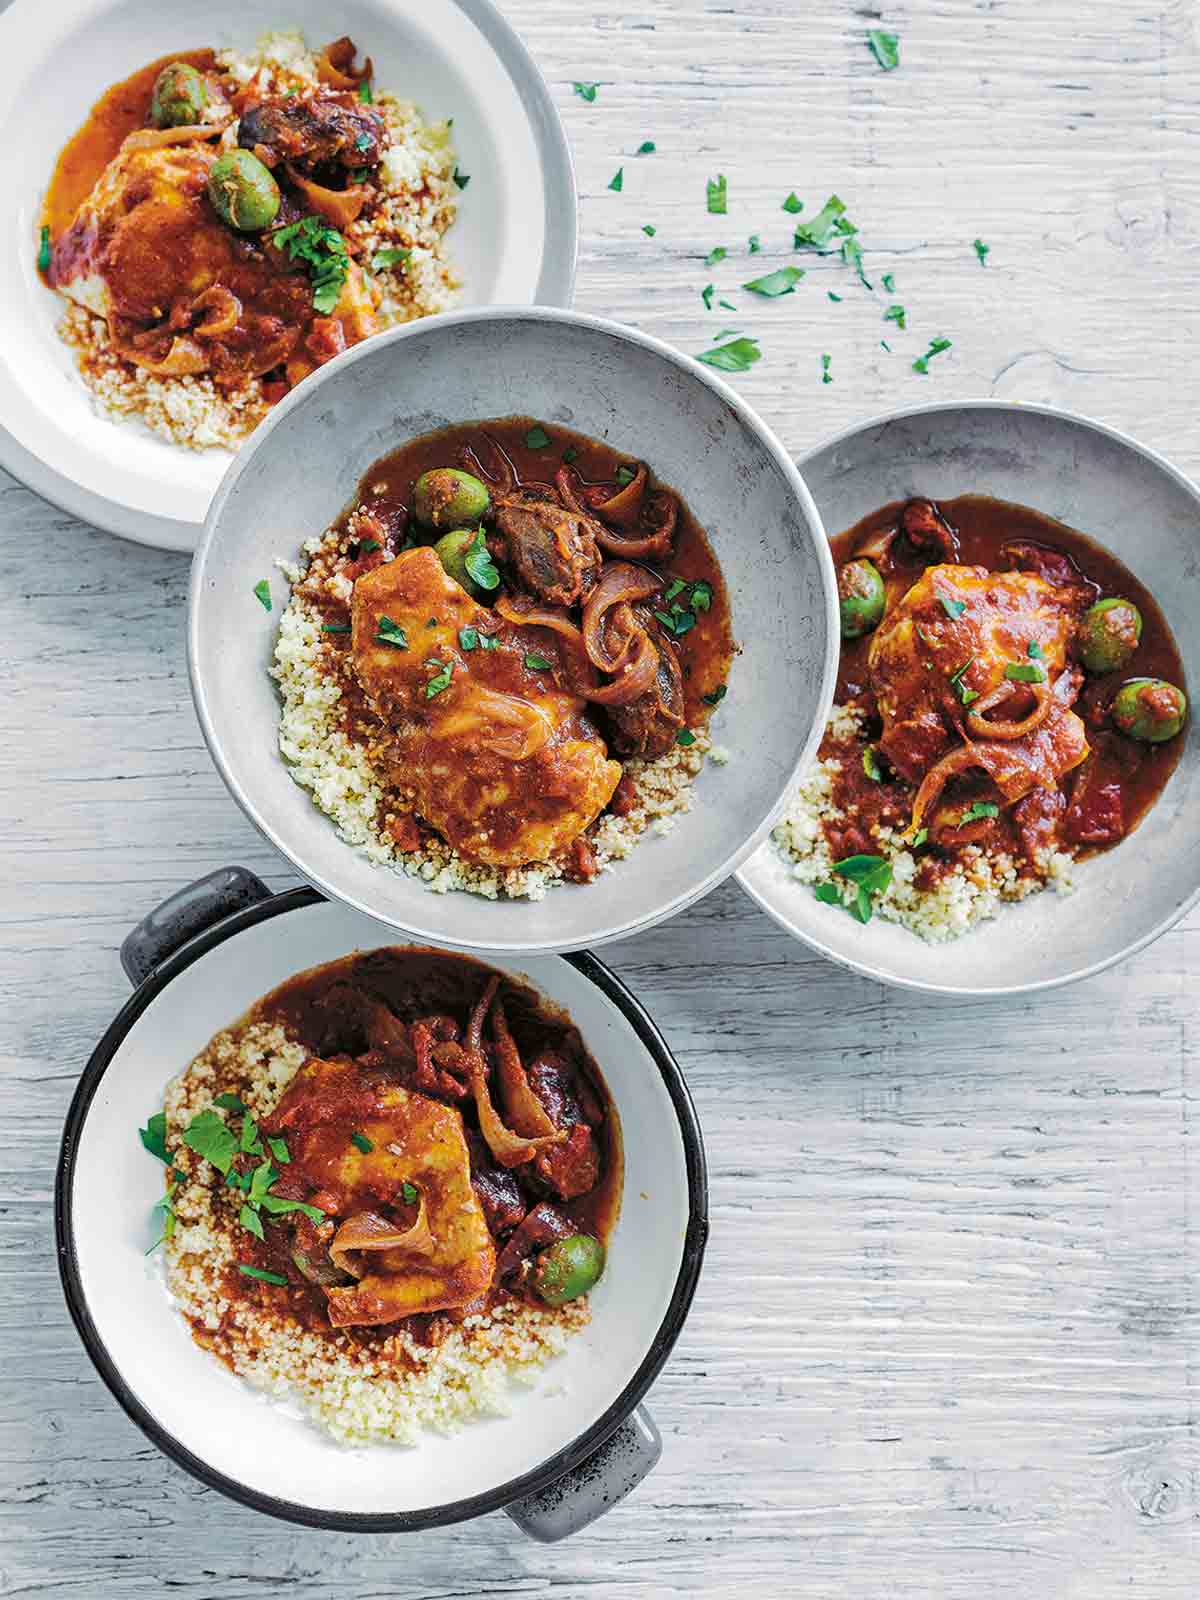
(835, 297)
(570, 454)
(361, 1142)
(262, 1275)
(715, 698)
(781, 281)
(978, 811)
(625, 476)
(537, 438)
(677, 620)
(586, 91)
(248, 1217)
(647, 147)
(685, 598)
(369, 546)
(896, 314)
(649, 229)
(1035, 650)
(964, 694)
(826, 375)
(738, 356)
(872, 874)
(363, 142)
(952, 608)
(885, 47)
(816, 232)
(884, 345)
(888, 282)
(468, 638)
(793, 204)
(717, 194)
(154, 1135)
(828, 894)
(919, 838)
(982, 251)
(480, 566)
(754, 244)
(391, 633)
(364, 92)
(726, 305)
(537, 663)
(262, 592)
(231, 1102)
(250, 1143)
(488, 641)
(396, 256)
(441, 680)
(851, 250)
(685, 737)
(871, 767)
(717, 254)
(279, 1149)
(43, 255)
(618, 180)
(409, 1193)
(462, 179)
(321, 247)
(1025, 672)
(706, 294)
(936, 346)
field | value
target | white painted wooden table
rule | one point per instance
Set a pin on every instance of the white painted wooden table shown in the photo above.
(946, 1340)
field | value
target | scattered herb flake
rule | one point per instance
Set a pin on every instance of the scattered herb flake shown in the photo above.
(816, 231)
(754, 243)
(394, 256)
(208, 1136)
(279, 1149)
(364, 92)
(1035, 650)
(462, 179)
(321, 247)
(391, 633)
(717, 195)
(618, 180)
(537, 663)
(964, 694)
(249, 1219)
(952, 608)
(871, 765)
(884, 345)
(537, 438)
(978, 811)
(154, 1135)
(368, 547)
(826, 375)
(43, 255)
(361, 1142)
(685, 736)
(479, 564)
(570, 454)
(982, 251)
(335, 627)
(715, 698)
(625, 476)
(1025, 672)
(872, 874)
(488, 642)
(936, 346)
(793, 204)
(586, 91)
(263, 1275)
(250, 1143)
(738, 356)
(885, 47)
(262, 593)
(834, 297)
(647, 147)
(409, 1193)
(649, 229)
(896, 314)
(782, 281)
(468, 638)
(706, 294)
(441, 680)
(919, 838)
(888, 282)
(828, 894)
(716, 254)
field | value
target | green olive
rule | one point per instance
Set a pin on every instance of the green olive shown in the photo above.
(861, 592)
(567, 1269)
(1109, 635)
(444, 497)
(1149, 709)
(180, 96)
(451, 551)
(243, 192)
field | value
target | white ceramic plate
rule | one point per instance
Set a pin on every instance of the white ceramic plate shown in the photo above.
(303, 466)
(514, 240)
(220, 1429)
(1148, 514)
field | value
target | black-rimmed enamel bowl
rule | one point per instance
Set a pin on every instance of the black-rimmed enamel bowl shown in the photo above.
(573, 1443)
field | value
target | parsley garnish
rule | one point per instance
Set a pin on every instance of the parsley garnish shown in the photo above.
(715, 698)
(1035, 650)
(976, 812)
(461, 178)
(363, 142)
(1025, 672)
(936, 346)
(896, 314)
(208, 1136)
(888, 282)
(391, 633)
(537, 663)
(755, 244)
(488, 641)
(618, 180)
(468, 638)
(826, 375)
(262, 592)
(361, 1142)
(816, 232)
(570, 454)
(323, 250)
(279, 1149)
(263, 1275)
(625, 475)
(392, 257)
(479, 564)
(782, 281)
(442, 679)
(739, 356)
(717, 192)
(832, 296)
(884, 345)
(335, 627)
(885, 47)
(364, 92)
(685, 737)
(872, 874)
(717, 254)
(409, 1193)
(871, 765)
(369, 546)
(649, 229)
(982, 251)
(154, 1135)
(250, 1143)
(828, 894)
(793, 204)
(952, 608)
(249, 1220)
(43, 255)
(586, 91)
(537, 438)
(706, 294)
(919, 838)
(647, 147)
(726, 305)
(964, 694)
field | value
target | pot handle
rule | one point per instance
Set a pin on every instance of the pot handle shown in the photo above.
(593, 1487)
(184, 914)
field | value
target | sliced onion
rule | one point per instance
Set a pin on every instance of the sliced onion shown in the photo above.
(474, 1039)
(535, 613)
(184, 358)
(625, 507)
(341, 207)
(961, 759)
(637, 678)
(978, 724)
(367, 1230)
(499, 472)
(510, 1149)
(156, 138)
(620, 581)
(525, 1112)
(220, 310)
(335, 64)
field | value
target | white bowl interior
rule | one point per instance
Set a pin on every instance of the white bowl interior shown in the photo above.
(432, 53)
(264, 1446)
(303, 467)
(1145, 512)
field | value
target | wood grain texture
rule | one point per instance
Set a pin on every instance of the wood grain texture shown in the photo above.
(946, 1340)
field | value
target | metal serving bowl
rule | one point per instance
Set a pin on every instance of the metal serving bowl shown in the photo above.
(301, 468)
(1136, 505)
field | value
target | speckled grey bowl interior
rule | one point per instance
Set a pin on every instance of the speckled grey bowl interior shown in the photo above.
(301, 469)
(1136, 505)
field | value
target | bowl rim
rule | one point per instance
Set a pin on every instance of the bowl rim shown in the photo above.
(773, 905)
(538, 1478)
(746, 415)
(555, 286)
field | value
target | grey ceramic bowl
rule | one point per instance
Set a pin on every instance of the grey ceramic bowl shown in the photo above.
(1138, 506)
(302, 467)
